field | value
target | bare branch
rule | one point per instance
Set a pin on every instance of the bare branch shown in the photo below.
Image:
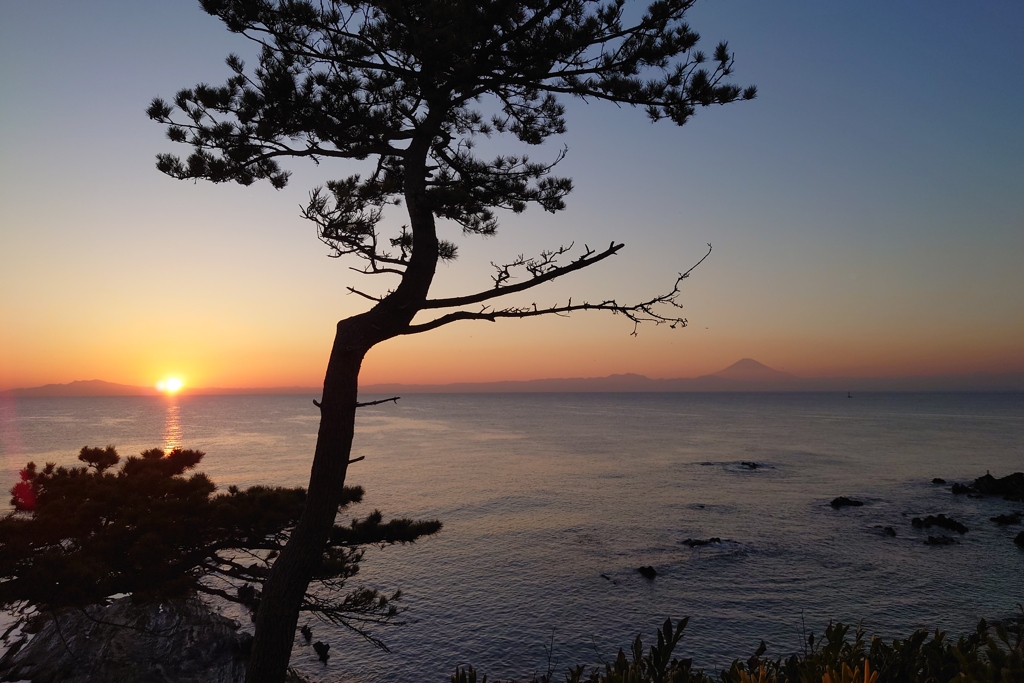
(643, 312)
(373, 269)
(375, 299)
(376, 403)
(543, 269)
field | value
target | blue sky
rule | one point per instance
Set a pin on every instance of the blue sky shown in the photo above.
(866, 211)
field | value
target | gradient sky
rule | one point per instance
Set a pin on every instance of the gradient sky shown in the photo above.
(866, 211)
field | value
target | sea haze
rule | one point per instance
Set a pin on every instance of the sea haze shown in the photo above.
(551, 501)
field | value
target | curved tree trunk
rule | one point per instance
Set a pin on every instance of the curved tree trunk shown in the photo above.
(289, 578)
(282, 596)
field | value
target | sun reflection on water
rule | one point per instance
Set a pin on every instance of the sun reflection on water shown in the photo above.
(172, 425)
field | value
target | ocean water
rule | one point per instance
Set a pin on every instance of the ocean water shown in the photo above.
(551, 501)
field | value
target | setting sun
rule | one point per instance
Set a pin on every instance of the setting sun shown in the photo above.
(170, 385)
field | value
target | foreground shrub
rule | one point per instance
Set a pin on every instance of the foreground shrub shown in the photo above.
(991, 654)
(154, 530)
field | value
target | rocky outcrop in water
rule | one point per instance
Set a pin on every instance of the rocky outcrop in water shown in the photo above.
(1007, 520)
(844, 502)
(1020, 540)
(647, 572)
(697, 542)
(1010, 487)
(180, 641)
(940, 520)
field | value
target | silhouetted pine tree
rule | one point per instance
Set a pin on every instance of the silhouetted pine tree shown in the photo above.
(410, 86)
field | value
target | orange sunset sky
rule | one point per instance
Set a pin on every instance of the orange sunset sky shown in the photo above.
(867, 219)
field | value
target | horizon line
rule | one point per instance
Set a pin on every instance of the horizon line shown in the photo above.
(781, 381)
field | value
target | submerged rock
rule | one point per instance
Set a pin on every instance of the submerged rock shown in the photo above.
(1020, 540)
(960, 489)
(647, 572)
(844, 502)
(1007, 520)
(886, 530)
(696, 542)
(940, 520)
(941, 540)
(750, 465)
(179, 641)
(938, 480)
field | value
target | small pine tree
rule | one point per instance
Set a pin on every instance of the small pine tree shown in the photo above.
(79, 535)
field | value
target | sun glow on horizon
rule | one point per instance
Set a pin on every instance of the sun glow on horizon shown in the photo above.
(171, 385)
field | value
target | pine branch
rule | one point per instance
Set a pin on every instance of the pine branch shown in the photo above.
(642, 312)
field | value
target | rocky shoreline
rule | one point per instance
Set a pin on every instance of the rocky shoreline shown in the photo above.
(184, 641)
(180, 641)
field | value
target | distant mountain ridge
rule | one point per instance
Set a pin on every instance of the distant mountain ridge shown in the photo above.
(87, 387)
(746, 377)
(746, 374)
(747, 369)
(98, 387)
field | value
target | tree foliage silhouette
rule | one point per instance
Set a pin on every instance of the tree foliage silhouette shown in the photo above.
(410, 87)
(83, 534)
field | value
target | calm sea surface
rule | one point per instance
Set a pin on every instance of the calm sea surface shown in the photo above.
(550, 502)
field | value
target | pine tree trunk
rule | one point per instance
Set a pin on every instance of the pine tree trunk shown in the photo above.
(289, 577)
(278, 613)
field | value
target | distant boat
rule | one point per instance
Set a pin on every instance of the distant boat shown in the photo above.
(849, 395)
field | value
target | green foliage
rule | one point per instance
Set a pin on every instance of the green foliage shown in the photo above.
(396, 80)
(985, 655)
(657, 665)
(81, 534)
(988, 655)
